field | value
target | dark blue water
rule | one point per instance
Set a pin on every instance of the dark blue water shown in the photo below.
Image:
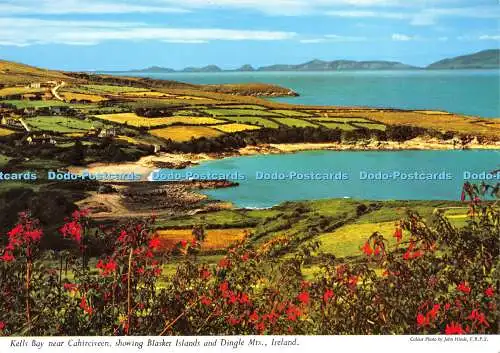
(467, 92)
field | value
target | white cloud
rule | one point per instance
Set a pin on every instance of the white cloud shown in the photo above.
(337, 38)
(273, 7)
(22, 32)
(421, 16)
(331, 38)
(401, 37)
(58, 7)
(489, 37)
(312, 41)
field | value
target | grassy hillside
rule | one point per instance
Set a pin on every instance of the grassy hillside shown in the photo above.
(486, 59)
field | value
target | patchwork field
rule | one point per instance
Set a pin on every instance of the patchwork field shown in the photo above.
(347, 240)
(185, 133)
(340, 126)
(135, 120)
(291, 113)
(5, 132)
(69, 96)
(215, 239)
(9, 91)
(60, 124)
(253, 120)
(239, 112)
(371, 126)
(36, 104)
(295, 122)
(228, 128)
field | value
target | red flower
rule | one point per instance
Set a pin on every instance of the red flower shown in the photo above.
(489, 292)
(154, 243)
(367, 249)
(293, 313)
(17, 230)
(244, 298)
(184, 243)
(70, 287)
(224, 286)
(2, 325)
(73, 230)
(464, 288)
(122, 237)
(253, 317)
(479, 317)
(377, 251)
(204, 274)
(7, 257)
(233, 321)
(107, 268)
(328, 295)
(353, 281)
(303, 297)
(447, 306)
(422, 320)
(224, 263)
(205, 301)
(398, 234)
(260, 327)
(232, 298)
(245, 257)
(454, 329)
(84, 305)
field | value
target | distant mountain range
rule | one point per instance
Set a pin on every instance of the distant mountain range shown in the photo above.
(486, 59)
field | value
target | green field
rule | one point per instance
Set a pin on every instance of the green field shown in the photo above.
(252, 120)
(340, 120)
(341, 126)
(61, 124)
(295, 122)
(111, 89)
(380, 127)
(36, 104)
(292, 113)
(239, 112)
(3, 160)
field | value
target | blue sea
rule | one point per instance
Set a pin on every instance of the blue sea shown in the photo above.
(268, 180)
(470, 92)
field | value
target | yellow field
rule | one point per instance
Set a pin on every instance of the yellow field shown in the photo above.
(75, 134)
(149, 94)
(235, 127)
(9, 91)
(135, 120)
(185, 133)
(215, 239)
(191, 97)
(347, 240)
(5, 132)
(439, 121)
(68, 96)
(130, 140)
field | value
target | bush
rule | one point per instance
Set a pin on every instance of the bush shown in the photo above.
(438, 279)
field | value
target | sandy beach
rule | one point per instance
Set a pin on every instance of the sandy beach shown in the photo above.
(146, 165)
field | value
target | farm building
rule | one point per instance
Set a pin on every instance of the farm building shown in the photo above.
(12, 123)
(43, 139)
(110, 132)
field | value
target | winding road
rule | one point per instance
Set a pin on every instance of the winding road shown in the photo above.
(54, 91)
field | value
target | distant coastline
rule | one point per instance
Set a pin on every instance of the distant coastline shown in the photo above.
(483, 60)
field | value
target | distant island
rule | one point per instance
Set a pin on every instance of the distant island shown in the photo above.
(486, 59)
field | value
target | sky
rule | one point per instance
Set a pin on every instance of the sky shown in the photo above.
(124, 34)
